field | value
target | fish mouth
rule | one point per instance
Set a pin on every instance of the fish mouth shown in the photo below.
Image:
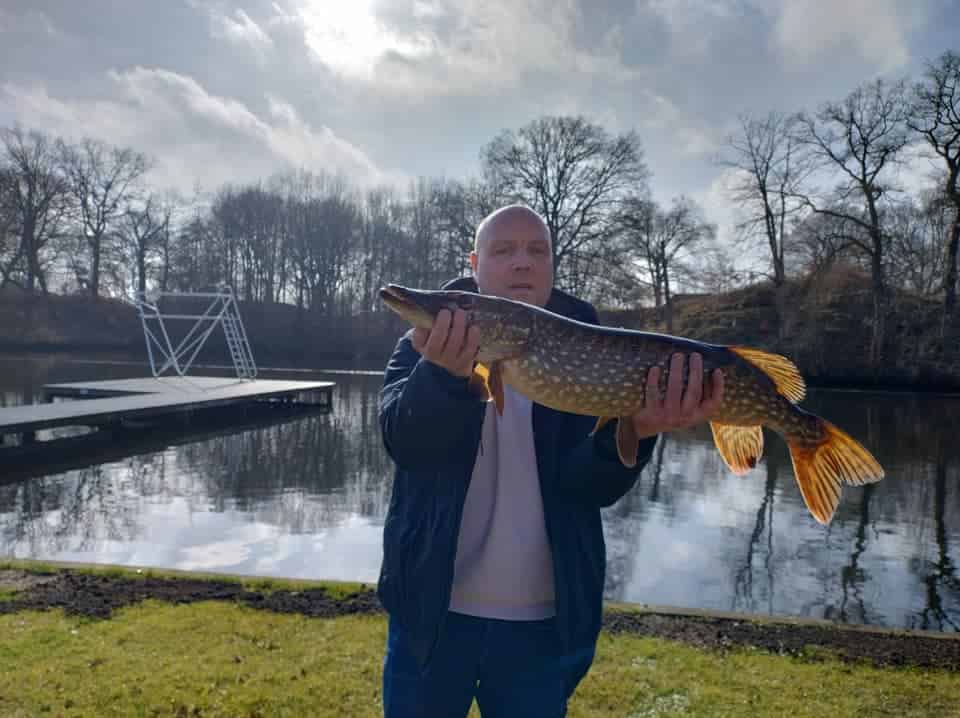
(409, 304)
(396, 296)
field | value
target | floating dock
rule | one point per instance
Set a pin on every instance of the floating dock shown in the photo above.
(122, 402)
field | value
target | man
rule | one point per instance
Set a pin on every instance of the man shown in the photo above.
(494, 556)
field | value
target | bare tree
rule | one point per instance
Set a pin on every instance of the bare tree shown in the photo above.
(324, 221)
(195, 257)
(935, 114)
(575, 175)
(101, 178)
(461, 206)
(639, 259)
(142, 231)
(381, 243)
(916, 247)
(767, 167)
(818, 241)
(9, 243)
(859, 140)
(37, 199)
(660, 238)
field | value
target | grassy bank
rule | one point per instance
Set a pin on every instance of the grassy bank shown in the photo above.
(227, 658)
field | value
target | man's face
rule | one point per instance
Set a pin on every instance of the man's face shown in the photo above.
(514, 259)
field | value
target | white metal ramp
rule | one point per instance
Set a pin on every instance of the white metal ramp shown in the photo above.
(221, 310)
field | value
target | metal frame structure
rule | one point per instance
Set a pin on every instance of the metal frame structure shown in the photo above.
(222, 310)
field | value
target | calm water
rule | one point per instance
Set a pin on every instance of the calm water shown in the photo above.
(306, 497)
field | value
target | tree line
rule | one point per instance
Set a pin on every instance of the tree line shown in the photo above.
(822, 187)
(812, 189)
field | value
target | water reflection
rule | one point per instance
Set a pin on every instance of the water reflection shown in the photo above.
(297, 498)
(691, 534)
(306, 496)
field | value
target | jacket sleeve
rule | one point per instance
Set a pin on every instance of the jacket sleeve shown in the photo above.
(592, 472)
(424, 411)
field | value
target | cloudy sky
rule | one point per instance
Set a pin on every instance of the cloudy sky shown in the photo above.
(385, 90)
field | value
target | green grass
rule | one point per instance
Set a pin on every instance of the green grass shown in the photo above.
(223, 659)
(217, 659)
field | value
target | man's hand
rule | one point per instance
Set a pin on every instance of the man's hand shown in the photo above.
(449, 343)
(679, 409)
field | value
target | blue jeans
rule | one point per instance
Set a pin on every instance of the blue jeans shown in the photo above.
(512, 668)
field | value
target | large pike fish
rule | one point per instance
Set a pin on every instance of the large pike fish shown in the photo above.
(601, 371)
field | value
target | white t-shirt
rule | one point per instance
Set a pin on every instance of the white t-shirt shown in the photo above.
(504, 566)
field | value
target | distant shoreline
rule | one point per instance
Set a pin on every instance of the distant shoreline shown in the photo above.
(370, 368)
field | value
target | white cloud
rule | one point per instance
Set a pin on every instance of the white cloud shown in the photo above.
(878, 30)
(348, 37)
(31, 21)
(193, 135)
(421, 85)
(467, 48)
(241, 29)
(687, 20)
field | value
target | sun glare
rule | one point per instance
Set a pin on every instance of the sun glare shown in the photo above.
(346, 35)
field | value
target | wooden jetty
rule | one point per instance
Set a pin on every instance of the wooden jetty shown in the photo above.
(122, 402)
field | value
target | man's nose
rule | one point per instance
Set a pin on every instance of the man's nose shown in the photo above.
(521, 260)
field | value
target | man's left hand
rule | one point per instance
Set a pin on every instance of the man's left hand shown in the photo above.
(679, 409)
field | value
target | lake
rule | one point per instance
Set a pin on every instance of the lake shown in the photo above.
(306, 497)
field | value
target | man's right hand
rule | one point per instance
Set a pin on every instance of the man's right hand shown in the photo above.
(449, 343)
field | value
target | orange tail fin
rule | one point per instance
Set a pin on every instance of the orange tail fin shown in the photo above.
(820, 469)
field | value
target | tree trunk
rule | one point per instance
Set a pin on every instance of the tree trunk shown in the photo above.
(95, 269)
(668, 300)
(879, 309)
(29, 239)
(776, 256)
(950, 266)
(142, 271)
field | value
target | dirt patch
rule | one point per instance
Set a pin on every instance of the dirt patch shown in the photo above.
(98, 596)
(810, 641)
(21, 580)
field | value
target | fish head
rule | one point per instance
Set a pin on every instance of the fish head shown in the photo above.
(505, 325)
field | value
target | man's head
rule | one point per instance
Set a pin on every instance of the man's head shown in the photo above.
(512, 255)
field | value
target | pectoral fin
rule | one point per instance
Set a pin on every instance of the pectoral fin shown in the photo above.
(740, 446)
(487, 383)
(478, 382)
(627, 441)
(601, 422)
(496, 386)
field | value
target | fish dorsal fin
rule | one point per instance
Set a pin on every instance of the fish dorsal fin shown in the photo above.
(488, 384)
(627, 442)
(782, 372)
(740, 446)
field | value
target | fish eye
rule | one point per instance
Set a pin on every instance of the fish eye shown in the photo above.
(465, 301)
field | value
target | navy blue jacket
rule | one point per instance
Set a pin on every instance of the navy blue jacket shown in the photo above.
(431, 425)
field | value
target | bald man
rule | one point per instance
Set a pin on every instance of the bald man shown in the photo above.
(493, 550)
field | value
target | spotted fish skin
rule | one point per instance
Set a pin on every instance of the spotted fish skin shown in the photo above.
(602, 371)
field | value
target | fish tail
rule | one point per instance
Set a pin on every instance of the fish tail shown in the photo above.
(822, 466)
